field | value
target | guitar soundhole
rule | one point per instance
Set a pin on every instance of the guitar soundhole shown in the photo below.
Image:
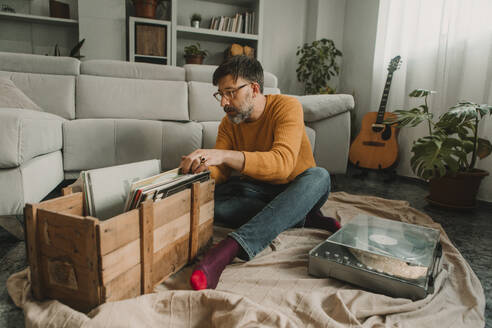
(377, 128)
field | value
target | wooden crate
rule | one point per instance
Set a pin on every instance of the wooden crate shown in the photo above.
(84, 262)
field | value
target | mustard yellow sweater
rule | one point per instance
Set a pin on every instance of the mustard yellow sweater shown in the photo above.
(276, 148)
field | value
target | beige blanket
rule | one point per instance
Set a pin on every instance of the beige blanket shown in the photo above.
(274, 289)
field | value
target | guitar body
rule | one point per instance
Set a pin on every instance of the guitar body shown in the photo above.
(376, 146)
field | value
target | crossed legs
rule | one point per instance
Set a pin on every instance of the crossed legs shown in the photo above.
(261, 212)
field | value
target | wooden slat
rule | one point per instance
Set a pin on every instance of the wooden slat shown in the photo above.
(62, 235)
(146, 245)
(194, 220)
(33, 253)
(206, 212)
(207, 189)
(171, 208)
(119, 231)
(92, 261)
(119, 261)
(126, 285)
(66, 191)
(206, 231)
(170, 259)
(70, 204)
(171, 232)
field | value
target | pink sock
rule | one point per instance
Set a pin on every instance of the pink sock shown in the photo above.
(315, 219)
(207, 273)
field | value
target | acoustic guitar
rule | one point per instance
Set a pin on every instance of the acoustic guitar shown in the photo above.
(376, 146)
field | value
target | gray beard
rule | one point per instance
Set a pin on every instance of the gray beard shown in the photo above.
(241, 116)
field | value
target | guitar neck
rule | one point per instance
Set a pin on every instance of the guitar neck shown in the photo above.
(384, 98)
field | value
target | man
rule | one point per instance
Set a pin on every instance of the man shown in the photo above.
(263, 138)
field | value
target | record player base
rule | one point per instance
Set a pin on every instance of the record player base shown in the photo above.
(84, 262)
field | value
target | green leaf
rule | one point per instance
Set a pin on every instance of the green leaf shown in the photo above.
(484, 148)
(421, 93)
(411, 117)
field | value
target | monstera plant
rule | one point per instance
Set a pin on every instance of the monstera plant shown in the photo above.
(448, 155)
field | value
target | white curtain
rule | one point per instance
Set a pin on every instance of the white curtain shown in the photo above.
(446, 46)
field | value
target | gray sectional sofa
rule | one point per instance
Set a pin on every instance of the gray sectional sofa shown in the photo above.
(100, 113)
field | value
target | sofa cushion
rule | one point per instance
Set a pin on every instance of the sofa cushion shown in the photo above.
(109, 97)
(13, 97)
(203, 106)
(30, 182)
(27, 63)
(144, 71)
(26, 133)
(53, 93)
(94, 143)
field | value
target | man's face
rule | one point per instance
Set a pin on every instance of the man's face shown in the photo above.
(237, 98)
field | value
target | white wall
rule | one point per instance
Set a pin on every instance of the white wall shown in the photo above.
(284, 29)
(288, 24)
(359, 39)
(103, 26)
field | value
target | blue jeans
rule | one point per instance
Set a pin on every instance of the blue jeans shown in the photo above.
(261, 211)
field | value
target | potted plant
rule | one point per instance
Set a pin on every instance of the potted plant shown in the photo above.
(194, 54)
(145, 8)
(195, 20)
(318, 63)
(447, 156)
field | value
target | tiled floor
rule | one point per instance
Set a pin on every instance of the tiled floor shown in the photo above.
(470, 231)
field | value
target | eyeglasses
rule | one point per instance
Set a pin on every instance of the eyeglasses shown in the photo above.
(228, 94)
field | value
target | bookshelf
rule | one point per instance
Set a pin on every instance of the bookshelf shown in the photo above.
(215, 41)
(180, 33)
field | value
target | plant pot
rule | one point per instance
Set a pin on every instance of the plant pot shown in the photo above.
(458, 191)
(145, 8)
(195, 23)
(191, 59)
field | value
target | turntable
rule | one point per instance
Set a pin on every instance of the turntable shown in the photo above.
(385, 256)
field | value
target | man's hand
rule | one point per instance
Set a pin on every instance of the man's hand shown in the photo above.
(201, 159)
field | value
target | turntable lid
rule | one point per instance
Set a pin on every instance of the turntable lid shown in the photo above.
(408, 242)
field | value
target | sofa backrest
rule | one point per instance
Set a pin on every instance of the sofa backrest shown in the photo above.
(116, 89)
(49, 81)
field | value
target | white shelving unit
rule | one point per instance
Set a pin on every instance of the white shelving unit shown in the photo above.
(214, 41)
(132, 39)
(38, 19)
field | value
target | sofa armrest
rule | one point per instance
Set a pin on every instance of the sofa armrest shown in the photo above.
(25, 134)
(329, 117)
(319, 107)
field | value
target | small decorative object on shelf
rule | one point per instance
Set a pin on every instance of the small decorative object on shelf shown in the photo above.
(195, 20)
(194, 54)
(59, 9)
(7, 9)
(145, 8)
(238, 50)
(75, 52)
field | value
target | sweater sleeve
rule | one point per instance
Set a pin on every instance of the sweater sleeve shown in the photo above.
(279, 162)
(222, 172)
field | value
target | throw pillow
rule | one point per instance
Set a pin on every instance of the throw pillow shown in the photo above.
(13, 97)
